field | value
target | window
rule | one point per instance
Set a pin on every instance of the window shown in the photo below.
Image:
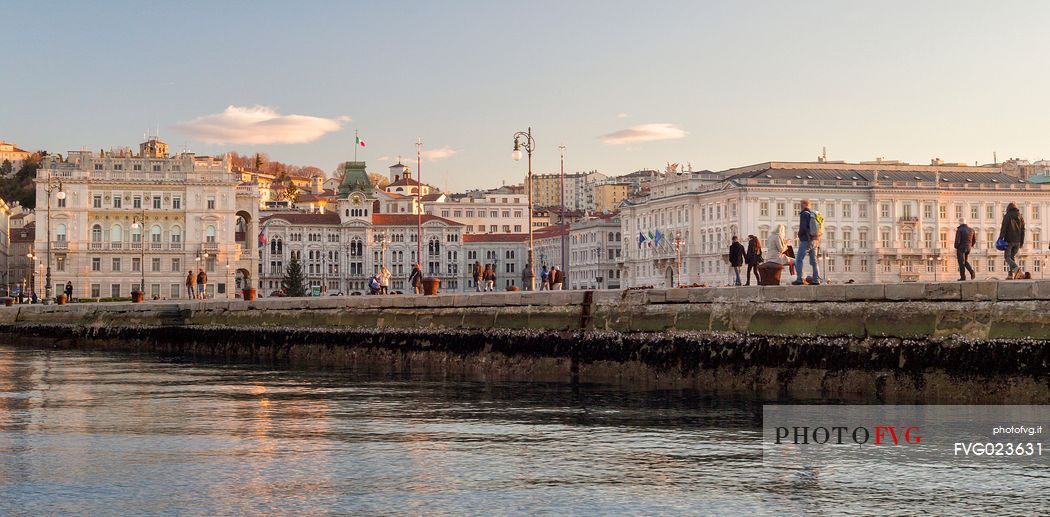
(989, 239)
(116, 264)
(156, 202)
(943, 210)
(176, 265)
(96, 233)
(96, 263)
(173, 291)
(927, 211)
(154, 234)
(176, 203)
(209, 234)
(864, 265)
(517, 228)
(884, 210)
(118, 202)
(62, 202)
(944, 239)
(1036, 242)
(958, 212)
(155, 264)
(96, 290)
(156, 168)
(211, 202)
(136, 202)
(780, 209)
(96, 201)
(136, 265)
(847, 210)
(60, 233)
(763, 208)
(136, 167)
(990, 212)
(829, 211)
(991, 265)
(884, 236)
(975, 212)
(60, 263)
(862, 210)
(114, 290)
(927, 239)
(1035, 211)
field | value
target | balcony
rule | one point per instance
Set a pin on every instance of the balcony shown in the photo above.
(60, 245)
(93, 246)
(210, 246)
(908, 220)
(136, 245)
(116, 245)
(156, 246)
(175, 246)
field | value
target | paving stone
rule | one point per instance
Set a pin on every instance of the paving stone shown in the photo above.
(1016, 290)
(905, 291)
(943, 291)
(865, 292)
(827, 293)
(978, 291)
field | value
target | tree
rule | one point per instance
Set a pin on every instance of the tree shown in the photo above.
(6, 168)
(292, 193)
(378, 180)
(292, 283)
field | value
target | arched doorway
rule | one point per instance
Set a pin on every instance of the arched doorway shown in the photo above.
(669, 277)
(242, 280)
(243, 230)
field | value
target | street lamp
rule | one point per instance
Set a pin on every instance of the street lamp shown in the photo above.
(523, 140)
(32, 270)
(678, 251)
(52, 184)
(139, 223)
(564, 234)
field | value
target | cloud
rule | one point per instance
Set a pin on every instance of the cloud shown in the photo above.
(621, 115)
(644, 133)
(439, 154)
(259, 125)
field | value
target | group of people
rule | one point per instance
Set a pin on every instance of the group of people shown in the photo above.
(552, 279)
(484, 277)
(196, 285)
(1010, 241)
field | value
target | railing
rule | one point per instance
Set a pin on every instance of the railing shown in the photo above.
(136, 245)
(175, 246)
(156, 245)
(95, 245)
(210, 246)
(60, 245)
(116, 245)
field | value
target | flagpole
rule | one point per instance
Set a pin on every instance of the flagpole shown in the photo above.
(419, 201)
(357, 142)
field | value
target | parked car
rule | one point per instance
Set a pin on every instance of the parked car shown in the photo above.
(278, 293)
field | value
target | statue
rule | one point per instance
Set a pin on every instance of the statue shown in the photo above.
(672, 168)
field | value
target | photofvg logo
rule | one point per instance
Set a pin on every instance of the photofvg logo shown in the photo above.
(794, 435)
(845, 435)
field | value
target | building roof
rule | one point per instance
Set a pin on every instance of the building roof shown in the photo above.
(895, 173)
(553, 230)
(432, 197)
(24, 234)
(408, 219)
(404, 182)
(496, 237)
(327, 195)
(316, 219)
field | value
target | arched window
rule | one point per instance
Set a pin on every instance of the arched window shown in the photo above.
(60, 233)
(209, 234)
(176, 234)
(154, 233)
(434, 247)
(96, 233)
(116, 233)
(136, 233)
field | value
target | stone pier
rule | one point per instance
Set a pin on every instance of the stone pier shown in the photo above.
(964, 341)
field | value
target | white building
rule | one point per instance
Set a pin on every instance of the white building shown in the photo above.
(884, 222)
(341, 250)
(195, 213)
(493, 213)
(508, 253)
(595, 254)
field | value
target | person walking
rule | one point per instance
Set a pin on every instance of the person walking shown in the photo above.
(965, 240)
(753, 259)
(190, 282)
(415, 278)
(543, 279)
(476, 273)
(202, 284)
(384, 280)
(807, 244)
(490, 277)
(557, 278)
(736, 258)
(526, 276)
(69, 292)
(1012, 231)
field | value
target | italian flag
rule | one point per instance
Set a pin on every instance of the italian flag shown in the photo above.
(358, 141)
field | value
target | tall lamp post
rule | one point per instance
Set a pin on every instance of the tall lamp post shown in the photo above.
(678, 252)
(564, 235)
(52, 184)
(523, 140)
(32, 270)
(139, 223)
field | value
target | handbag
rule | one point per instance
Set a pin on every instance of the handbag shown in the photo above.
(1001, 244)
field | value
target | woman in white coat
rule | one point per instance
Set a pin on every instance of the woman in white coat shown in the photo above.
(777, 248)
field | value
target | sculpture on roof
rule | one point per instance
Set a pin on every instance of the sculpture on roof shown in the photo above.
(672, 168)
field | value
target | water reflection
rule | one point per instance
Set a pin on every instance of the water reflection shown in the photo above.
(101, 434)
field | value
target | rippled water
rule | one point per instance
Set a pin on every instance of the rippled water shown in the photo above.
(102, 434)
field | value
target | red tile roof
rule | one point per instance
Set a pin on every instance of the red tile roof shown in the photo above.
(495, 237)
(404, 182)
(327, 218)
(25, 234)
(408, 220)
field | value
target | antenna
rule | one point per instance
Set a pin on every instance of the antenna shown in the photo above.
(995, 159)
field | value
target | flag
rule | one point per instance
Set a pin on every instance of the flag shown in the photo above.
(659, 237)
(358, 141)
(262, 239)
(650, 238)
(641, 239)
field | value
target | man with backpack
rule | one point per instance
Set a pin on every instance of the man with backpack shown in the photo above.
(965, 240)
(809, 230)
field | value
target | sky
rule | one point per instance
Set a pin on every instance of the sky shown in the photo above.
(622, 85)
